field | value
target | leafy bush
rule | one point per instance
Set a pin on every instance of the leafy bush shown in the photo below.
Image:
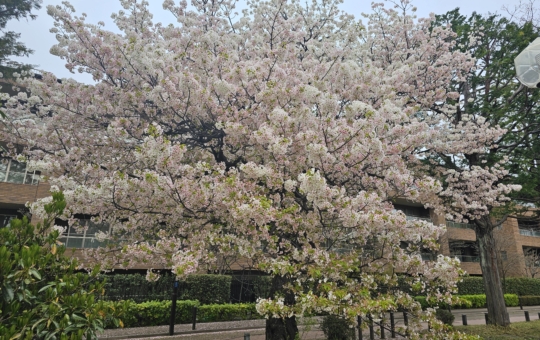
(207, 289)
(472, 285)
(445, 316)
(227, 312)
(150, 313)
(336, 328)
(157, 313)
(261, 286)
(471, 301)
(41, 294)
(530, 300)
(136, 287)
(513, 285)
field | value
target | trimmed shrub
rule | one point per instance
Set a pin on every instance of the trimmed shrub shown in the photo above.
(445, 316)
(151, 313)
(522, 286)
(261, 286)
(157, 313)
(530, 300)
(207, 288)
(513, 285)
(471, 285)
(471, 301)
(336, 328)
(227, 312)
(135, 287)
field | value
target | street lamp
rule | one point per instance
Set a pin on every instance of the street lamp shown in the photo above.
(528, 65)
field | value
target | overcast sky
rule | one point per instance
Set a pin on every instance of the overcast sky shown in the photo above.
(35, 34)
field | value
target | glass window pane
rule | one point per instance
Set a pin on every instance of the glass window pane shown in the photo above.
(3, 169)
(32, 178)
(17, 172)
(74, 242)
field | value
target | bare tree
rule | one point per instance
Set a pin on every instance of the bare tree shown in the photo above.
(532, 262)
(524, 11)
(507, 261)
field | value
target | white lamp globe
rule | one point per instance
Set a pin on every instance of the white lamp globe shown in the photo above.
(528, 65)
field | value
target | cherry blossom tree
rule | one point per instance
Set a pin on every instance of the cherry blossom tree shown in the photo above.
(282, 134)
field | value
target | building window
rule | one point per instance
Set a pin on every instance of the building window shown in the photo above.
(414, 213)
(529, 227)
(14, 172)
(82, 236)
(504, 255)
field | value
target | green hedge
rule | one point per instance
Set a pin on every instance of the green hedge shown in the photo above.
(227, 312)
(157, 313)
(207, 289)
(530, 300)
(150, 313)
(513, 285)
(472, 301)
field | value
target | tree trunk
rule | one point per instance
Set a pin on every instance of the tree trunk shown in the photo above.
(497, 313)
(281, 329)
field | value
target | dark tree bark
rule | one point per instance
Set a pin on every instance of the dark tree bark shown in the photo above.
(497, 312)
(276, 328)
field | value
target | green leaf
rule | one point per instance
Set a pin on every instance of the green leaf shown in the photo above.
(35, 273)
(8, 293)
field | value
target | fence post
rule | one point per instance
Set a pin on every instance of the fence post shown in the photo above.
(464, 319)
(383, 336)
(405, 318)
(486, 317)
(527, 318)
(520, 303)
(361, 336)
(371, 331)
(194, 317)
(173, 307)
(246, 336)
(392, 325)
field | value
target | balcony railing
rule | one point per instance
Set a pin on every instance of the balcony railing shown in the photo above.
(532, 233)
(418, 218)
(451, 224)
(467, 258)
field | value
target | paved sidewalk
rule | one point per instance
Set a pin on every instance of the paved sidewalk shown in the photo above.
(309, 327)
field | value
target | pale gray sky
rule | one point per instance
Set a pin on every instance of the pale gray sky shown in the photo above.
(35, 34)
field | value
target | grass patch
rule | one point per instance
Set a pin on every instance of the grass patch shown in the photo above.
(517, 330)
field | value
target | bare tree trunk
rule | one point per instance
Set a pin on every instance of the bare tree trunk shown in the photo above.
(281, 329)
(497, 313)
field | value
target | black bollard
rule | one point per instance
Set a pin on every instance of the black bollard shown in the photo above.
(194, 317)
(173, 307)
(371, 330)
(392, 325)
(246, 336)
(486, 317)
(538, 316)
(383, 336)
(405, 319)
(464, 319)
(520, 303)
(360, 335)
(527, 318)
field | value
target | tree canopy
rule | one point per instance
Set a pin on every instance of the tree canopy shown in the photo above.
(283, 134)
(9, 44)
